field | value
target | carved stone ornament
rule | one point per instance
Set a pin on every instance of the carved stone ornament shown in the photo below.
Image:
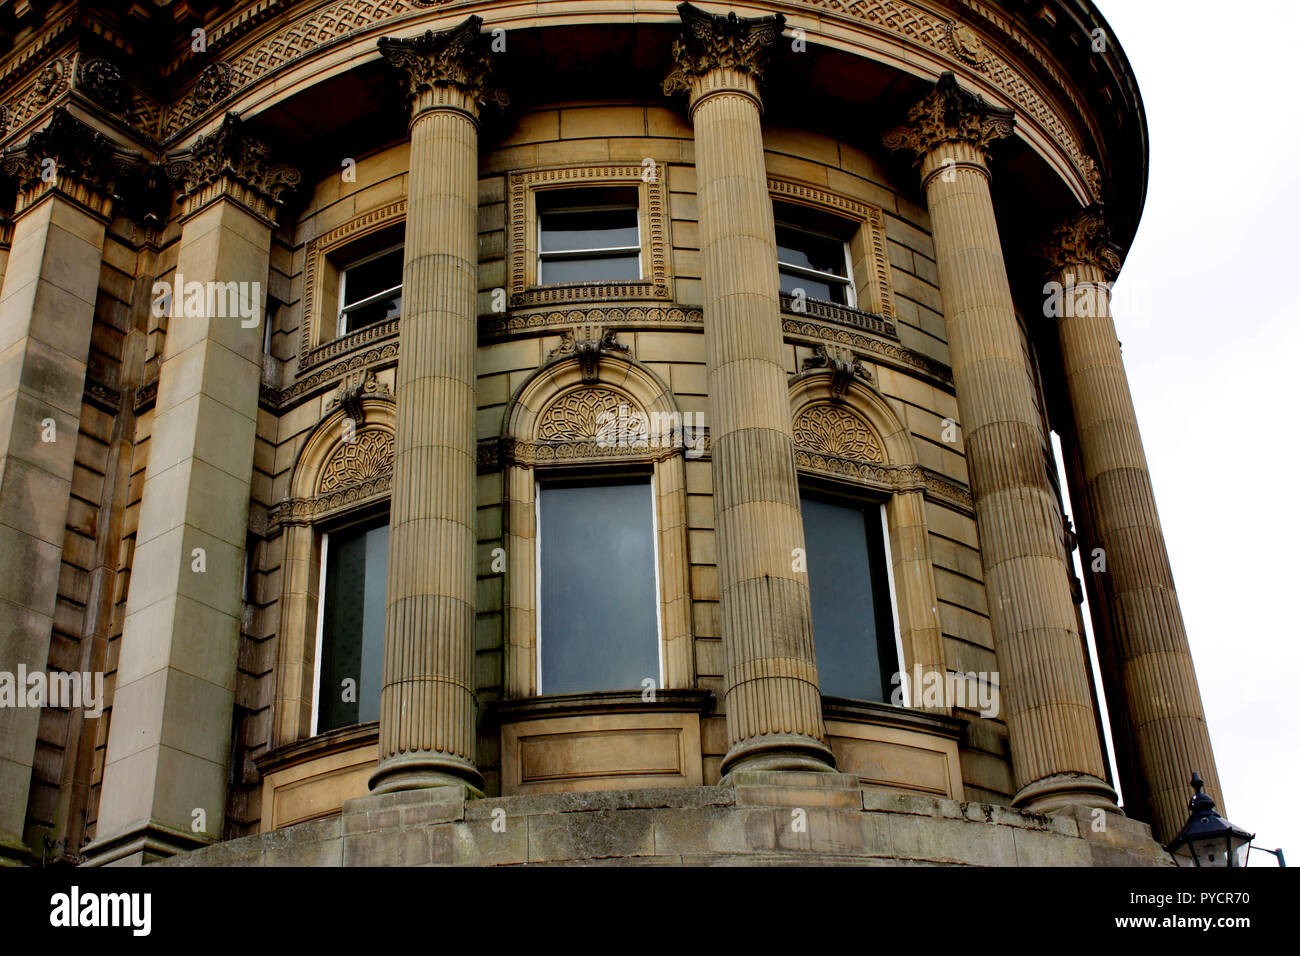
(231, 151)
(949, 114)
(355, 387)
(1084, 239)
(587, 343)
(100, 80)
(710, 41)
(78, 151)
(584, 414)
(52, 80)
(458, 58)
(967, 45)
(4, 120)
(844, 367)
(367, 457)
(214, 85)
(835, 430)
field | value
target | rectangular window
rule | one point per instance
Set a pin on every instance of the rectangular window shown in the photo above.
(588, 235)
(598, 592)
(813, 255)
(370, 291)
(853, 616)
(350, 642)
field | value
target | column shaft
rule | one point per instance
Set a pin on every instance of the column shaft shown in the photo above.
(773, 703)
(1165, 713)
(1055, 749)
(47, 308)
(428, 712)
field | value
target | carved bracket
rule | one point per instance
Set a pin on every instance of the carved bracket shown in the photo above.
(587, 343)
(844, 366)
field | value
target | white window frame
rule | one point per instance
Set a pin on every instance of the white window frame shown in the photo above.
(343, 288)
(538, 483)
(846, 280)
(893, 608)
(595, 251)
(320, 632)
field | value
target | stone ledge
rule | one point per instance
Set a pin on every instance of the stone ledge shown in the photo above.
(762, 819)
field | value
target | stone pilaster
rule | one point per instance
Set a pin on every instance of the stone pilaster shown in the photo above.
(1165, 714)
(773, 705)
(1047, 703)
(428, 712)
(55, 243)
(166, 769)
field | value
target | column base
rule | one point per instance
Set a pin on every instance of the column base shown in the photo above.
(139, 845)
(424, 769)
(1062, 790)
(779, 752)
(14, 852)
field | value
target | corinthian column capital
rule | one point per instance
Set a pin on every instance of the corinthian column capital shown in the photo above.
(233, 163)
(450, 69)
(951, 116)
(1082, 240)
(716, 52)
(69, 156)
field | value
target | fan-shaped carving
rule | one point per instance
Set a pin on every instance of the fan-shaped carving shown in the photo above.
(834, 430)
(368, 456)
(585, 413)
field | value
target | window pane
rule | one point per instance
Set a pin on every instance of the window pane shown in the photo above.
(852, 617)
(589, 229)
(599, 601)
(373, 277)
(799, 248)
(814, 288)
(352, 640)
(594, 269)
(381, 310)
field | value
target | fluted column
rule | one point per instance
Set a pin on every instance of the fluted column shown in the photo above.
(1055, 749)
(428, 713)
(47, 310)
(1161, 694)
(773, 704)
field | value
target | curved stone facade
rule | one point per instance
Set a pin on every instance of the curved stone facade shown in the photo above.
(200, 402)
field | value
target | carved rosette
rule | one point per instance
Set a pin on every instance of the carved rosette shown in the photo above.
(215, 83)
(966, 45)
(102, 81)
(713, 42)
(231, 161)
(455, 61)
(949, 114)
(835, 430)
(1083, 240)
(582, 414)
(52, 80)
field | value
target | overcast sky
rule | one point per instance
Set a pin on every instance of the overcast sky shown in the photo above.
(1209, 316)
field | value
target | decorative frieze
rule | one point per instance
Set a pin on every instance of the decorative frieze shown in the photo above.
(499, 327)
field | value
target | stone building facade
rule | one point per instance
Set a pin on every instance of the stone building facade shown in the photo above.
(446, 426)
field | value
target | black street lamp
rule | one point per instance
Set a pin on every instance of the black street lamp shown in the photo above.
(1207, 839)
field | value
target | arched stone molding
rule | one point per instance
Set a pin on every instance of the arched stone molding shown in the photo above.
(341, 469)
(849, 433)
(554, 419)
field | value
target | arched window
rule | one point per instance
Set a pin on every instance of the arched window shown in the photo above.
(598, 594)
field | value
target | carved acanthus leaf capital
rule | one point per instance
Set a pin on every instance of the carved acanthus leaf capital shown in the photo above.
(458, 58)
(711, 41)
(1083, 239)
(949, 114)
(232, 152)
(67, 148)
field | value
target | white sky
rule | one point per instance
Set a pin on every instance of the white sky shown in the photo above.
(1208, 313)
